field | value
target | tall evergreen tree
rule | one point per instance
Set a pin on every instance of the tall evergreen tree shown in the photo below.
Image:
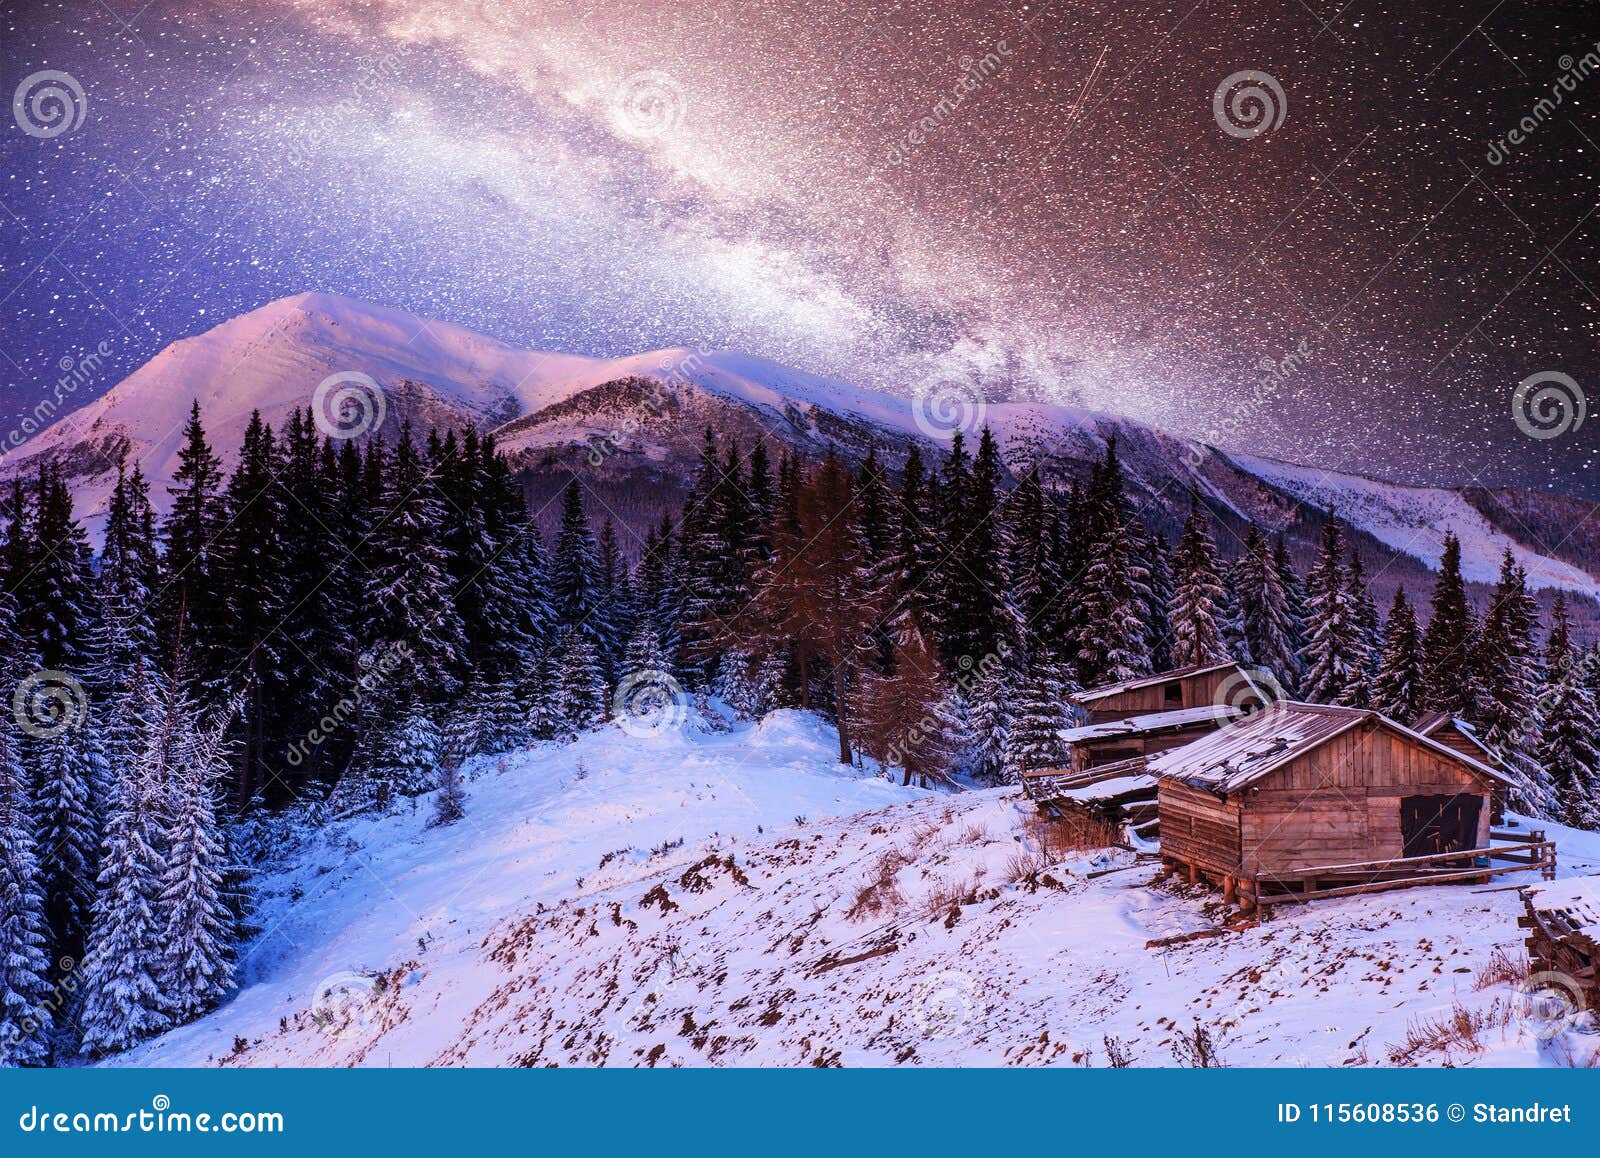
(1332, 655)
(1397, 688)
(1568, 748)
(26, 1014)
(1266, 622)
(1196, 636)
(1449, 643)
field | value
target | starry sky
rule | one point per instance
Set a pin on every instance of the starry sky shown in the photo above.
(1346, 263)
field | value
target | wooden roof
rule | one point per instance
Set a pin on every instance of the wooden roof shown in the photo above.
(1431, 723)
(1244, 752)
(1177, 719)
(1105, 690)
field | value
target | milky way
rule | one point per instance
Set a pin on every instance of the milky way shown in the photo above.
(1048, 201)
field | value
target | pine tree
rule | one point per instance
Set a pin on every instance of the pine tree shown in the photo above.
(69, 765)
(1267, 624)
(990, 715)
(1397, 688)
(198, 925)
(1365, 641)
(128, 580)
(1040, 715)
(408, 756)
(124, 1003)
(189, 588)
(1331, 655)
(1450, 642)
(580, 689)
(450, 805)
(576, 591)
(1196, 637)
(908, 717)
(408, 596)
(26, 1015)
(1567, 746)
(1117, 620)
(1505, 680)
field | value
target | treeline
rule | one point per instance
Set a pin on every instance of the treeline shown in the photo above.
(343, 624)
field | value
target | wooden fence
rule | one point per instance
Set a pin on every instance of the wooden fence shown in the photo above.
(1346, 880)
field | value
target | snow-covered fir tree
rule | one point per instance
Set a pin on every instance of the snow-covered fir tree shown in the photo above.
(1265, 618)
(69, 766)
(579, 687)
(26, 1009)
(198, 925)
(1397, 687)
(122, 969)
(1449, 643)
(1197, 594)
(1041, 712)
(1505, 663)
(1333, 656)
(1566, 752)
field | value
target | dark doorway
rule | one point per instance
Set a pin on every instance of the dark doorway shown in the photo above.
(1431, 824)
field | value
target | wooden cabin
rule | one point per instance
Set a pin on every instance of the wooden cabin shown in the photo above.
(1157, 713)
(1342, 791)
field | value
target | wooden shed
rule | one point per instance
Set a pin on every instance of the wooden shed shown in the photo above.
(1454, 732)
(1323, 800)
(1157, 713)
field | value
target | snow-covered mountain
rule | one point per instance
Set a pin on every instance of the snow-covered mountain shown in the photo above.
(633, 426)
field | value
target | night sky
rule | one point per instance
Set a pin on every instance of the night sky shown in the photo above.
(815, 182)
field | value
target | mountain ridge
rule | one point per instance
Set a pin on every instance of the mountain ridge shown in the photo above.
(635, 422)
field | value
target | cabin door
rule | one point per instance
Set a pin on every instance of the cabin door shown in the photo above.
(1432, 824)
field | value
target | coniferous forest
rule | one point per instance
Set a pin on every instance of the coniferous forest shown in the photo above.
(334, 627)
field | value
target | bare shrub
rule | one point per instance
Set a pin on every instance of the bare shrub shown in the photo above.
(945, 896)
(1117, 1056)
(1505, 967)
(1025, 865)
(1460, 1029)
(970, 833)
(1197, 1049)
(1056, 837)
(881, 893)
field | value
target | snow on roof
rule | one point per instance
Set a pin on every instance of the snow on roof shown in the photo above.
(1430, 723)
(1109, 789)
(1574, 902)
(1244, 752)
(1151, 722)
(1147, 681)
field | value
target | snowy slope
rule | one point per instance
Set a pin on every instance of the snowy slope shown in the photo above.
(1413, 520)
(544, 930)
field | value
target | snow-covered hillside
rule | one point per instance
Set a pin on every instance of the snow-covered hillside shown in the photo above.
(703, 899)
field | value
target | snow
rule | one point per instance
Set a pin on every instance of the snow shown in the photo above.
(1413, 520)
(551, 933)
(1151, 721)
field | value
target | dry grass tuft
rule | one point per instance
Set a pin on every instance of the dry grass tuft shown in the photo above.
(1505, 967)
(880, 894)
(1056, 837)
(1461, 1029)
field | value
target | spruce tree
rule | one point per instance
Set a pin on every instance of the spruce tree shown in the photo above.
(1568, 748)
(198, 926)
(1366, 640)
(26, 1012)
(1041, 712)
(1267, 624)
(1449, 643)
(1397, 688)
(1332, 654)
(1196, 636)
(124, 1003)
(1505, 663)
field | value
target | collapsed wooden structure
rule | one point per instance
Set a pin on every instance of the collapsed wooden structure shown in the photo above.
(1563, 923)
